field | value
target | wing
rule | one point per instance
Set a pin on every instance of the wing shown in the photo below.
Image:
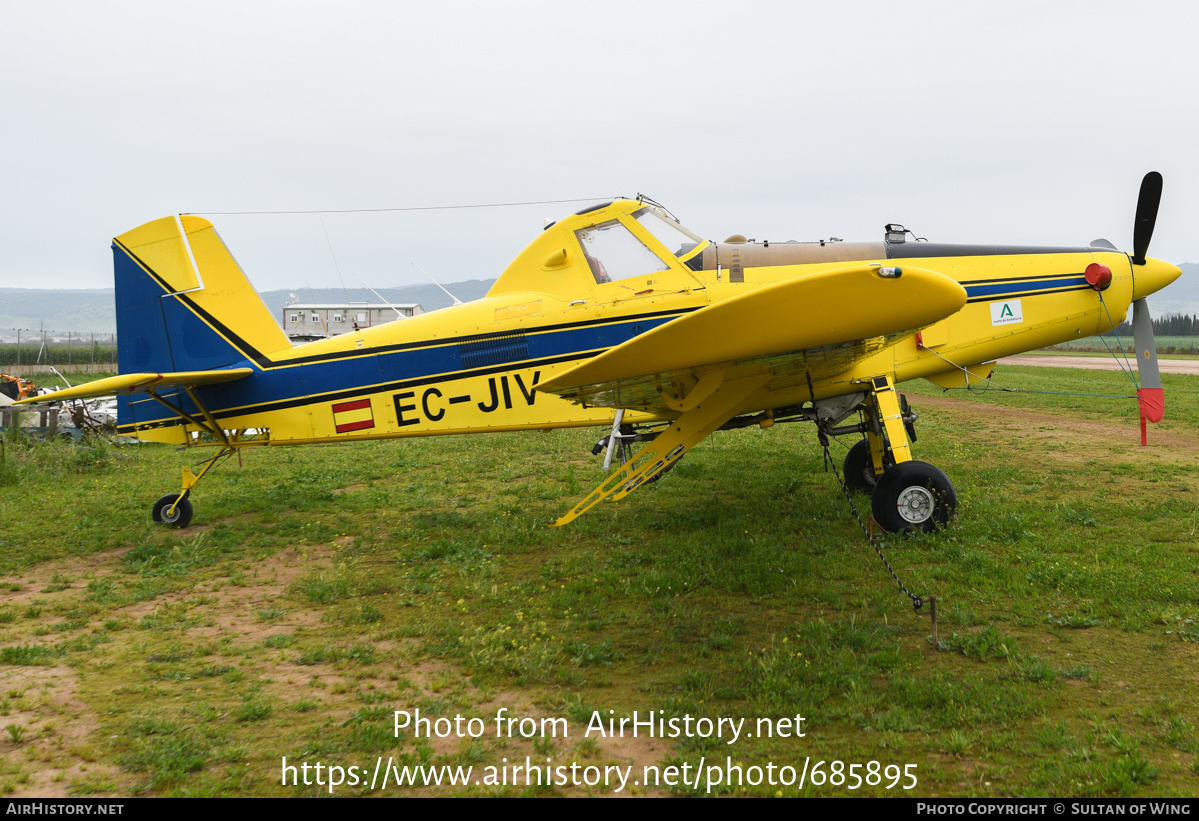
(140, 383)
(818, 324)
(708, 365)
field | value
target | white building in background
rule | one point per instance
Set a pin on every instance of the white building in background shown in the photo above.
(306, 322)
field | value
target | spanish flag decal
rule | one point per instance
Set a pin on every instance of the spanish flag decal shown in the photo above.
(351, 416)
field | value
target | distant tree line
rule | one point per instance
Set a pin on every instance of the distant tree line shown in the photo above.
(1168, 325)
(81, 349)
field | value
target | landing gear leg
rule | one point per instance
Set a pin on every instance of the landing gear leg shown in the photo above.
(886, 435)
(912, 495)
(174, 509)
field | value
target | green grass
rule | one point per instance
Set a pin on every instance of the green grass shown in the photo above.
(1166, 345)
(324, 588)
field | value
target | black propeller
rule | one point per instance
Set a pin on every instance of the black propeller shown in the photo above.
(1147, 203)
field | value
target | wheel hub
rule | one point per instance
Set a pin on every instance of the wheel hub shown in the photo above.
(915, 504)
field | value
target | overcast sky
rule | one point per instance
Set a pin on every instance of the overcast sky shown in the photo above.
(967, 122)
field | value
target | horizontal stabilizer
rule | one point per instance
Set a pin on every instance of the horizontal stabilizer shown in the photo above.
(827, 308)
(140, 383)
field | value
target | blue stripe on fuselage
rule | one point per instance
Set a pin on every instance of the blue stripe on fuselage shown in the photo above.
(280, 384)
(1006, 289)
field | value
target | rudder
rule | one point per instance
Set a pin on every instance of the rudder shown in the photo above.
(186, 305)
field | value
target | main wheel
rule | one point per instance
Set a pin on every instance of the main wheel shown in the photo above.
(913, 496)
(183, 511)
(859, 467)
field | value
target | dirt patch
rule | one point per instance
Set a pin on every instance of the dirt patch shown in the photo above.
(337, 491)
(74, 572)
(52, 747)
(1055, 426)
(193, 530)
(421, 682)
(234, 610)
(636, 753)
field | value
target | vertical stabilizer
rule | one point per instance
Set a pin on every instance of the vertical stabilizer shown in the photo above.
(183, 303)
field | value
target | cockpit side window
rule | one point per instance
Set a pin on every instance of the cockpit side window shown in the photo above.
(614, 253)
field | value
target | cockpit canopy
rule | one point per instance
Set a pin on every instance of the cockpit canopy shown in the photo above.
(613, 242)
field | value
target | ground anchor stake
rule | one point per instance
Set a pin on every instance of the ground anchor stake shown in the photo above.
(932, 601)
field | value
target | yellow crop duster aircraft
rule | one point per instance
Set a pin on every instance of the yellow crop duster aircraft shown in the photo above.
(619, 316)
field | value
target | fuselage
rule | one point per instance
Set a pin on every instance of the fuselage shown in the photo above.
(594, 281)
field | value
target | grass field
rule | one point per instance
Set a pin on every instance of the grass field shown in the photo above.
(1165, 344)
(321, 589)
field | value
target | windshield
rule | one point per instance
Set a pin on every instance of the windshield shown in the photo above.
(677, 239)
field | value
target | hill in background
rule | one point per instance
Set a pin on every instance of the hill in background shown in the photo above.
(81, 311)
(91, 311)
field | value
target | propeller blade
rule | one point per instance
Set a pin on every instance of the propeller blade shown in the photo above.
(1147, 203)
(1150, 396)
(1142, 335)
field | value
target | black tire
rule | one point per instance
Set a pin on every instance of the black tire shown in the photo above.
(913, 496)
(183, 511)
(859, 467)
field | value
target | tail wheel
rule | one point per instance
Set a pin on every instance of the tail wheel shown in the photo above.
(913, 496)
(180, 518)
(859, 467)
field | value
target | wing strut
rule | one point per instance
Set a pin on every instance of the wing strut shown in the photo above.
(715, 408)
(208, 424)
